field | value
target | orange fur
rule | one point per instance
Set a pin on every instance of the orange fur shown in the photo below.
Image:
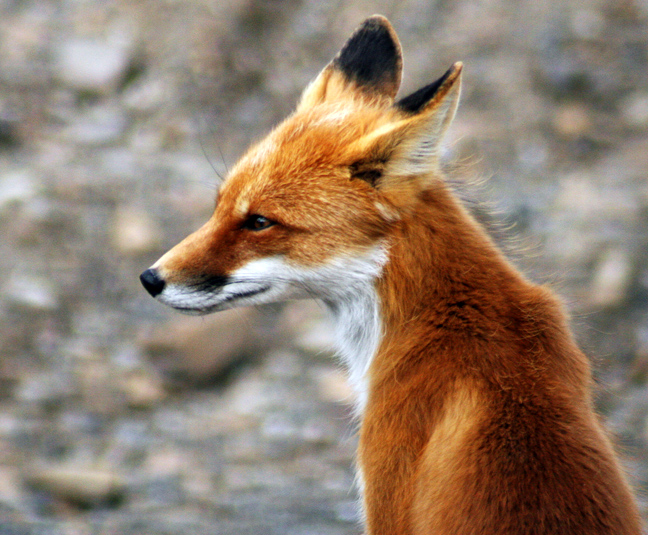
(476, 411)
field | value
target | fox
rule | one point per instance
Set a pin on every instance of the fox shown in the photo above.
(475, 404)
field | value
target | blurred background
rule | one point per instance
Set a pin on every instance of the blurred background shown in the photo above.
(118, 416)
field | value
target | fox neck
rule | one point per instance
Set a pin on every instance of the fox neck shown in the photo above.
(356, 312)
(453, 307)
(441, 262)
(404, 284)
(441, 272)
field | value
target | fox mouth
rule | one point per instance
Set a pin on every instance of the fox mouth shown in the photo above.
(222, 303)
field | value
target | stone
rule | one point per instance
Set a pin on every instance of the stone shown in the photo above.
(78, 485)
(313, 327)
(31, 292)
(134, 232)
(612, 279)
(587, 23)
(190, 350)
(9, 484)
(44, 388)
(146, 97)
(142, 389)
(333, 385)
(92, 65)
(100, 125)
(572, 120)
(16, 187)
(634, 109)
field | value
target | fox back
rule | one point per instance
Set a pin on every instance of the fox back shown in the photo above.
(474, 401)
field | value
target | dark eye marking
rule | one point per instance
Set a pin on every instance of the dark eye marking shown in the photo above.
(257, 222)
(370, 172)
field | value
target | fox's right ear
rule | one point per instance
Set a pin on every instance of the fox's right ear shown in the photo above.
(368, 66)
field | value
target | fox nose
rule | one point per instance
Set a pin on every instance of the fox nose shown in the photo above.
(152, 281)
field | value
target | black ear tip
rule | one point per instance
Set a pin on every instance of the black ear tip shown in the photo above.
(376, 28)
(376, 22)
(372, 55)
(416, 101)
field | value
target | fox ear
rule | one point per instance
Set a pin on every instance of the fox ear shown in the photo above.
(429, 112)
(369, 65)
(405, 151)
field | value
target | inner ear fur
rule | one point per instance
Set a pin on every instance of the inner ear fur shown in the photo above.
(369, 65)
(420, 99)
(406, 147)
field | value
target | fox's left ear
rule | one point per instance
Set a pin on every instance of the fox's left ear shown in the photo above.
(368, 66)
(404, 152)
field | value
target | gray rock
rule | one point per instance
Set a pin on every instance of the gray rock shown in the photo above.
(101, 125)
(612, 279)
(44, 388)
(78, 485)
(134, 232)
(198, 350)
(91, 65)
(16, 187)
(634, 109)
(31, 292)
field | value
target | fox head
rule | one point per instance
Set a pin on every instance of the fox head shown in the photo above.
(308, 211)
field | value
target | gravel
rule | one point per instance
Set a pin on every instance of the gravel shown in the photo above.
(117, 119)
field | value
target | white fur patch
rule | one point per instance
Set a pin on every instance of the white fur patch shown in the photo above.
(334, 118)
(198, 302)
(386, 212)
(346, 285)
(242, 206)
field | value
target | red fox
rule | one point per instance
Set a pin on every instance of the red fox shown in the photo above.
(474, 402)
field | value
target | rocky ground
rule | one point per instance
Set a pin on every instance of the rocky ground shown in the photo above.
(116, 118)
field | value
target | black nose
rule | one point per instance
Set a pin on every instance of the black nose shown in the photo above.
(152, 281)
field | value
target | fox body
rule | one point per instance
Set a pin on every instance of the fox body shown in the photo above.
(474, 401)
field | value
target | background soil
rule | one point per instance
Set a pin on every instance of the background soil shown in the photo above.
(118, 416)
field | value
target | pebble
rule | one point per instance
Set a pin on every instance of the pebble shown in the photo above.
(587, 23)
(612, 279)
(9, 484)
(31, 292)
(16, 187)
(248, 396)
(572, 120)
(318, 338)
(134, 232)
(146, 96)
(95, 381)
(270, 478)
(579, 197)
(44, 388)
(282, 364)
(143, 389)
(92, 65)
(192, 350)
(279, 426)
(77, 485)
(634, 109)
(101, 125)
(333, 385)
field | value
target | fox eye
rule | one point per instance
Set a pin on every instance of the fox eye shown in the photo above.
(257, 222)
